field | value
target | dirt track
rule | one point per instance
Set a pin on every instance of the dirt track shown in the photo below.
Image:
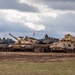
(36, 57)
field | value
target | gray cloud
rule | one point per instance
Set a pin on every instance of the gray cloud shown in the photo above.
(61, 25)
(60, 4)
(55, 26)
(14, 4)
(55, 4)
(58, 0)
(17, 30)
(9, 27)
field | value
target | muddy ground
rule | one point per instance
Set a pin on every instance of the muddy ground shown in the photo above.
(36, 57)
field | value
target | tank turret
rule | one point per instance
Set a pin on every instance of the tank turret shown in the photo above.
(68, 37)
(66, 44)
(24, 40)
(48, 40)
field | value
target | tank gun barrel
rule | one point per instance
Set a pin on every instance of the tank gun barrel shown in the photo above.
(14, 37)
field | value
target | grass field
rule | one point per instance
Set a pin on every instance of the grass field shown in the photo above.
(22, 68)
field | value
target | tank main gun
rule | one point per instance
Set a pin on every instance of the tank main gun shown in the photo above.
(15, 37)
(22, 40)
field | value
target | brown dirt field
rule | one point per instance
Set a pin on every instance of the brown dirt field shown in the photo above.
(36, 57)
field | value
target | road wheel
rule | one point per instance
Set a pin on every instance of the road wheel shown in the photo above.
(7, 50)
(38, 49)
(47, 50)
(74, 50)
(10, 50)
(66, 50)
(69, 51)
(3, 49)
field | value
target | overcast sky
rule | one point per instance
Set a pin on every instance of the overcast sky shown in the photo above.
(24, 17)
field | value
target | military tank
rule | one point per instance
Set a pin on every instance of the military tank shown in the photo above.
(4, 44)
(48, 40)
(27, 43)
(22, 43)
(66, 44)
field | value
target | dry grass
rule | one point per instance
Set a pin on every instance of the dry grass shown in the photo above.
(22, 68)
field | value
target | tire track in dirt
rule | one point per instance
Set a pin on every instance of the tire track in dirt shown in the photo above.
(36, 57)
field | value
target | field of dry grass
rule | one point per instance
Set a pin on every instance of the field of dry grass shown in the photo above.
(22, 68)
(20, 63)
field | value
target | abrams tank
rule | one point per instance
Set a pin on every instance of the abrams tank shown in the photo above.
(66, 44)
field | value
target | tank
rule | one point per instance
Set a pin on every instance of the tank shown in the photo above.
(22, 43)
(48, 40)
(66, 44)
(27, 43)
(4, 44)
